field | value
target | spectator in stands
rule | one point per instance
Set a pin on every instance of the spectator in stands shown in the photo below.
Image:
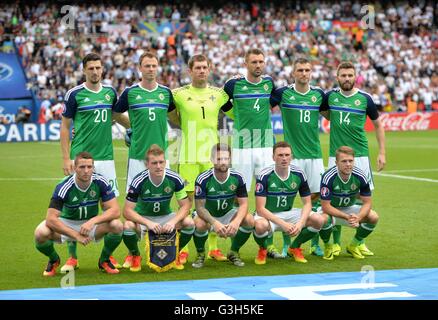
(45, 113)
(57, 108)
(399, 52)
(23, 115)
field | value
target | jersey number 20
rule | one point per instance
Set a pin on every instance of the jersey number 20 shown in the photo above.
(101, 115)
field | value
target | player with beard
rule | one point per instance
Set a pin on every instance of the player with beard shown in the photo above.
(215, 192)
(347, 108)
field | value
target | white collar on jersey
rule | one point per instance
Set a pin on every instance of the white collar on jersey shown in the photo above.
(228, 175)
(77, 186)
(156, 87)
(303, 94)
(261, 79)
(288, 174)
(342, 180)
(355, 90)
(157, 185)
(86, 88)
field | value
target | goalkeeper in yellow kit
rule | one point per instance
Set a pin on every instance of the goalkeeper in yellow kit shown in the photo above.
(197, 112)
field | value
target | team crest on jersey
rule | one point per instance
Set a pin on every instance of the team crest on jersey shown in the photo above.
(325, 191)
(313, 99)
(293, 185)
(92, 193)
(107, 97)
(198, 190)
(357, 102)
(266, 87)
(233, 187)
(161, 96)
(259, 187)
(168, 189)
(353, 187)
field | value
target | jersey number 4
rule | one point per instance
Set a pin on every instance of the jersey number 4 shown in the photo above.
(256, 105)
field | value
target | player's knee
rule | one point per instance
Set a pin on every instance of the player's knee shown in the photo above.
(116, 226)
(373, 217)
(316, 221)
(129, 225)
(188, 223)
(200, 224)
(248, 221)
(42, 232)
(261, 226)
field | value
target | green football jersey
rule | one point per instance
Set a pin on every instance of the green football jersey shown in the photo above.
(252, 112)
(92, 119)
(219, 196)
(343, 193)
(148, 116)
(347, 120)
(155, 200)
(77, 204)
(300, 115)
(280, 194)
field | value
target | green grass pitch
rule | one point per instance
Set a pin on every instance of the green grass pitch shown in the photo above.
(406, 236)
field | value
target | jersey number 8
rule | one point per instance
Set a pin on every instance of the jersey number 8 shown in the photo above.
(156, 207)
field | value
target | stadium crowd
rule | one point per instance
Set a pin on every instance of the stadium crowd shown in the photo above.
(396, 56)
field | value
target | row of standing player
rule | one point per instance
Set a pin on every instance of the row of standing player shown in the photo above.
(249, 97)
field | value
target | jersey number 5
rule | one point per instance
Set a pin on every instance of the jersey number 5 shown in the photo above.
(151, 114)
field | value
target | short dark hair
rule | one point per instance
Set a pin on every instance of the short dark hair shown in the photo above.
(344, 150)
(147, 54)
(345, 65)
(90, 57)
(301, 60)
(254, 51)
(154, 150)
(220, 147)
(83, 155)
(281, 144)
(199, 58)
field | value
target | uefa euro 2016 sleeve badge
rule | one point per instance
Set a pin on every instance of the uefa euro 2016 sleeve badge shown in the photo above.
(161, 250)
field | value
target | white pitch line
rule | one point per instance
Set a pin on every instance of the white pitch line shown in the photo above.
(404, 177)
(27, 157)
(412, 170)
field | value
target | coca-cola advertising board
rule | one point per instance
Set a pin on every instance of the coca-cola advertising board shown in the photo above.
(400, 121)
